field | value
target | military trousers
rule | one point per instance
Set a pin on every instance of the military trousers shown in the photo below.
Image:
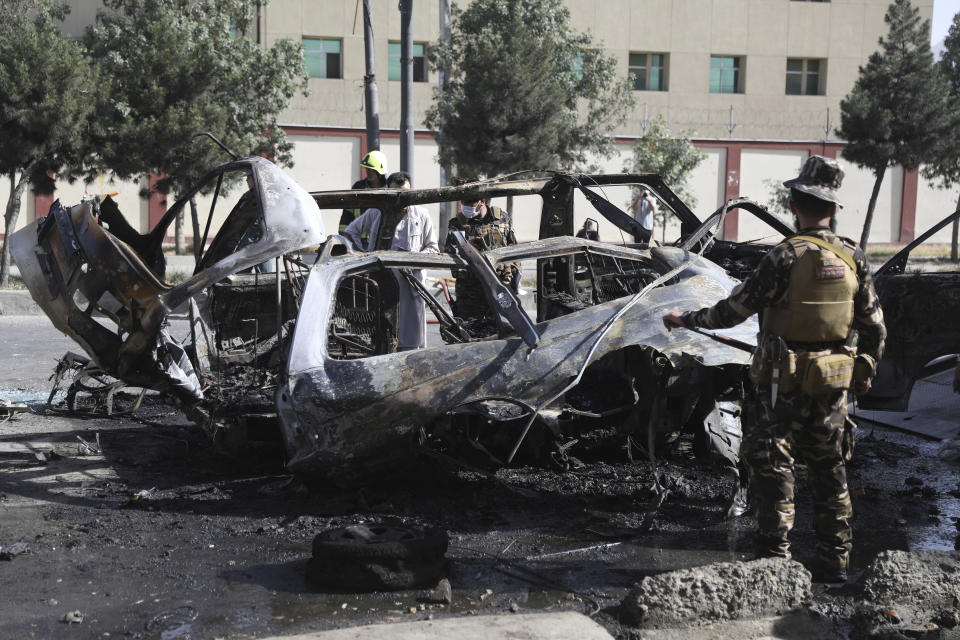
(809, 428)
(471, 302)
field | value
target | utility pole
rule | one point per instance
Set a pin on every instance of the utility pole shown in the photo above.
(370, 81)
(446, 208)
(406, 86)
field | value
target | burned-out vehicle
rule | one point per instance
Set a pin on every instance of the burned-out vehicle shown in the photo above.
(583, 350)
(102, 284)
(921, 308)
(281, 332)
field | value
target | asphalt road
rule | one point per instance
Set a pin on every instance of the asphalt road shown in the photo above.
(30, 347)
(157, 534)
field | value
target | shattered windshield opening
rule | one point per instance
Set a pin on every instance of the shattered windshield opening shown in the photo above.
(233, 200)
(366, 315)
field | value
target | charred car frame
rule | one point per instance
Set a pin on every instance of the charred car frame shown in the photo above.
(283, 332)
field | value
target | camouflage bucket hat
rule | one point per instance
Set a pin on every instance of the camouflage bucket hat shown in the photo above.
(820, 177)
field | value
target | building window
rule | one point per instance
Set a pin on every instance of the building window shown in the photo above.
(649, 71)
(804, 77)
(323, 57)
(419, 62)
(725, 74)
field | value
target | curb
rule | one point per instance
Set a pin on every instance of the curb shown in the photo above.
(566, 625)
(14, 302)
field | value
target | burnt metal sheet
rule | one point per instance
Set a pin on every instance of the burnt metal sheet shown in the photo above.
(336, 412)
(86, 280)
(921, 311)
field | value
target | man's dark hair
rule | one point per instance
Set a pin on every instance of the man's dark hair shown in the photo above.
(397, 178)
(811, 205)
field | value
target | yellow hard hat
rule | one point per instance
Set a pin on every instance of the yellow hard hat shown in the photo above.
(376, 161)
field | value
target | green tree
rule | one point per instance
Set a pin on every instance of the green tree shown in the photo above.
(672, 157)
(944, 169)
(524, 91)
(897, 110)
(46, 95)
(779, 201)
(178, 67)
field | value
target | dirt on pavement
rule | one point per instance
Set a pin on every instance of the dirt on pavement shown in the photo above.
(137, 528)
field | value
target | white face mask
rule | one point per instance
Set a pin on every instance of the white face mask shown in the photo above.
(468, 212)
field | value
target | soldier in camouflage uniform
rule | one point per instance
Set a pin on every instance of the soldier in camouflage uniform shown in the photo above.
(485, 227)
(814, 292)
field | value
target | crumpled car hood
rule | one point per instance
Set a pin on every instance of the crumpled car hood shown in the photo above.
(334, 412)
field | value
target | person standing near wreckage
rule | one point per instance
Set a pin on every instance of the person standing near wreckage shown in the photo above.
(821, 333)
(485, 227)
(374, 164)
(413, 232)
(645, 211)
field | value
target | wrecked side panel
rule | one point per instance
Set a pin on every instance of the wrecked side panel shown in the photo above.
(97, 289)
(336, 414)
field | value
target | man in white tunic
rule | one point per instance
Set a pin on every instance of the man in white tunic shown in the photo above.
(645, 211)
(414, 232)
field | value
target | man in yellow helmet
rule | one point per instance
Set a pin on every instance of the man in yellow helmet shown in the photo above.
(375, 167)
(821, 333)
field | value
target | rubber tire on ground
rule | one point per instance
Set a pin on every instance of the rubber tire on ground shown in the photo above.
(379, 542)
(384, 575)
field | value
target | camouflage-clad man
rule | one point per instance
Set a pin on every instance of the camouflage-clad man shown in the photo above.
(821, 332)
(485, 227)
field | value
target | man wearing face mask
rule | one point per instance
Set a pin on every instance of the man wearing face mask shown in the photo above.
(485, 227)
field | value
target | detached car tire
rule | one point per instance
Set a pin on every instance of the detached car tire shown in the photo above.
(377, 557)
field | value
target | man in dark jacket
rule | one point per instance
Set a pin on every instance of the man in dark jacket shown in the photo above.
(375, 166)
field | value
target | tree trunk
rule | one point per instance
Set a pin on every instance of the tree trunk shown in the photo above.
(865, 235)
(178, 241)
(953, 243)
(10, 219)
(195, 221)
(953, 240)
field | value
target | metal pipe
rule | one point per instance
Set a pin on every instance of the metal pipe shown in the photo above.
(370, 81)
(446, 171)
(406, 86)
(276, 268)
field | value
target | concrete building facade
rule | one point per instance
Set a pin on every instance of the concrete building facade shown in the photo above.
(758, 84)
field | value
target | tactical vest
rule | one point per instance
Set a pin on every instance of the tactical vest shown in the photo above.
(495, 232)
(819, 303)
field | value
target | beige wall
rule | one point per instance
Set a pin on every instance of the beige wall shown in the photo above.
(933, 205)
(707, 180)
(764, 32)
(339, 102)
(855, 196)
(758, 167)
(26, 204)
(5, 195)
(426, 173)
(125, 193)
(324, 163)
